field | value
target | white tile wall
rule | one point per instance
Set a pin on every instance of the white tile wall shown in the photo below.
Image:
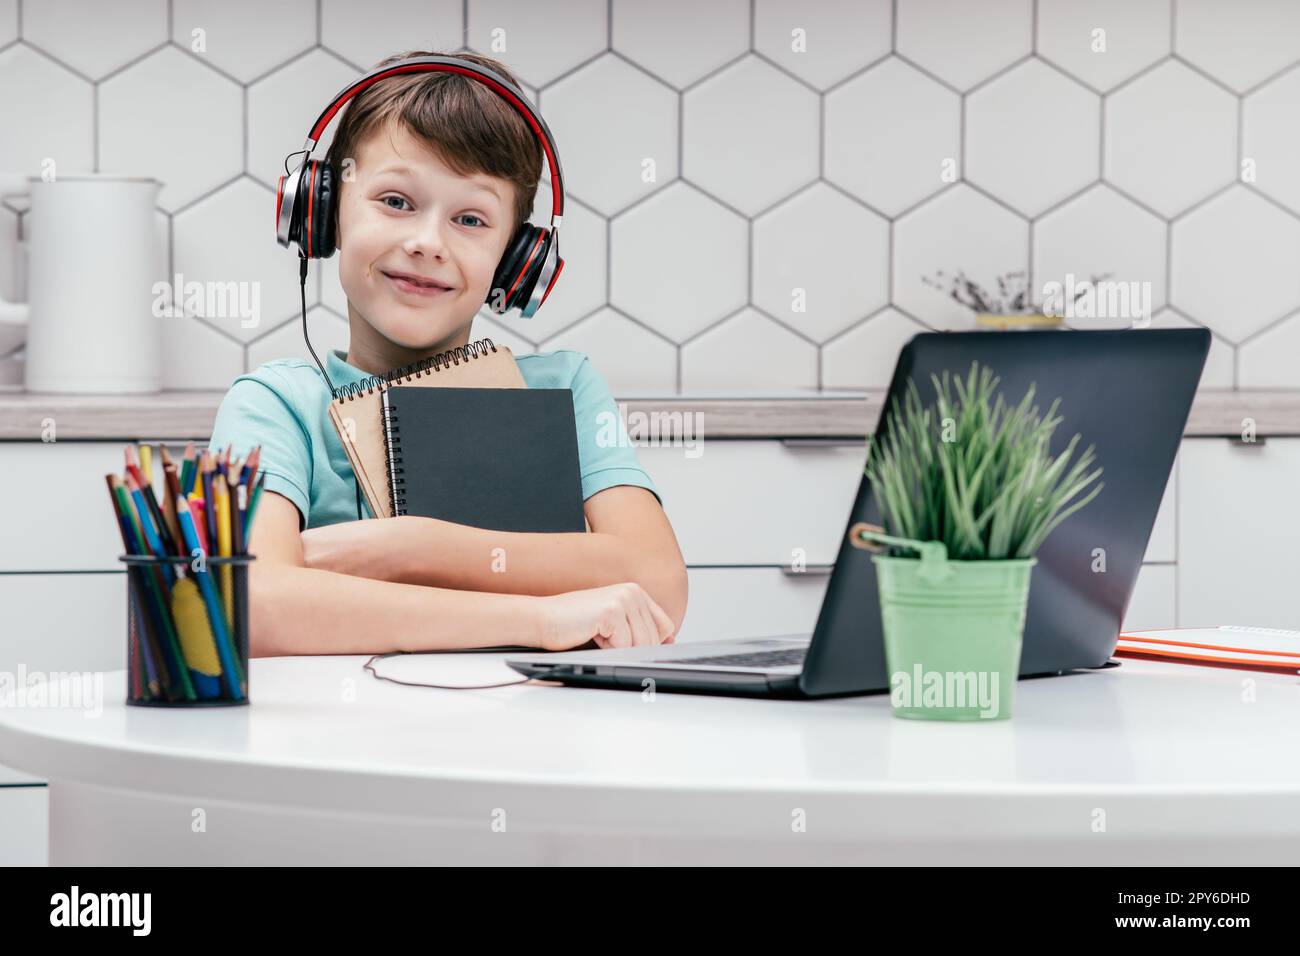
(1132, 34)
(1241, 43)
(843, 148)
(729, 122)
(964, 43)
(1032, 136)
(1235, 263)
(1171, 138)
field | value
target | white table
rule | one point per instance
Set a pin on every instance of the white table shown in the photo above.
(1146, 763)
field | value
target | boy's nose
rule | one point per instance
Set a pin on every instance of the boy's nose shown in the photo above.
(426, 238)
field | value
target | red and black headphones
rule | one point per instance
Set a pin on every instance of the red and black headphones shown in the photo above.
(305, 198)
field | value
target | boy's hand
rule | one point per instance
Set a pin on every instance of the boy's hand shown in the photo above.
(617, 615)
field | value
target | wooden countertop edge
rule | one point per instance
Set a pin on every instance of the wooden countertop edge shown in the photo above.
(180, 416)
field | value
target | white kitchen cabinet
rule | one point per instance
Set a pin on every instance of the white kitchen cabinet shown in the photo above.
(63, 622)
(1154, 604)
(1162, 547)
(758, 502)
(1238, 533)
(24, 826)
(59, 517)
(728, 603)
(64, 521)
(60, 623)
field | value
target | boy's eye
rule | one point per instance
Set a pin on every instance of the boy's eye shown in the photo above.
(470, 215)
(387, 200)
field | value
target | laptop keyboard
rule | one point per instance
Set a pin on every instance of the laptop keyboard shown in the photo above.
(789, 655)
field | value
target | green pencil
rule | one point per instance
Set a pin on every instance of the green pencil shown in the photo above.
(252, 510)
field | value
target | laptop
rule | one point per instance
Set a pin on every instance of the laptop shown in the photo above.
(1128, 392)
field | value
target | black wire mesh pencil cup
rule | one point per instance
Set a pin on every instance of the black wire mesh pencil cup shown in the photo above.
(187, 630)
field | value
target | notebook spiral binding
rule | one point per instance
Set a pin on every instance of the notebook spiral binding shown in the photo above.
(396, 483)
(405, 374)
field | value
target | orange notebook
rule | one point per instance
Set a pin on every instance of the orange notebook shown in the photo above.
(1248, 648)
(356, 410)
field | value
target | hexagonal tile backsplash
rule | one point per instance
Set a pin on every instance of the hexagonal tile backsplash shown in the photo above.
(757, 187)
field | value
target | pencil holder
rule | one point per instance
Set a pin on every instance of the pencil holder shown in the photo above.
(187, 630)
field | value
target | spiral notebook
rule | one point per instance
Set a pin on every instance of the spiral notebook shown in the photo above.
(356, 408)
(505, 459)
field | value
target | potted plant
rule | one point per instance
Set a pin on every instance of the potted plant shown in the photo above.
(968, 491)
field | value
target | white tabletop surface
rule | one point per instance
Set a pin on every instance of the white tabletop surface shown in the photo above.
(1139, 764)
(1143, 725)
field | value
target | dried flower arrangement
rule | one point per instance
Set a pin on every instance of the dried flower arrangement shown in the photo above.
(1011, 298)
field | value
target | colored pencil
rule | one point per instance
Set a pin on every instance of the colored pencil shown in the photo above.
(238, 511)
(174, 676)
(133, 464)
(221, 493)
(187, 470)
(232, 674)
(146, 488)
(150, 529)
(252, 509)
(197, 508)
(249, 472)
(172, 488)
(162, 573)
(146, 463)
(210, 516)
(148, 674)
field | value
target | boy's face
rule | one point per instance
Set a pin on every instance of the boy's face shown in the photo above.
(418, 243)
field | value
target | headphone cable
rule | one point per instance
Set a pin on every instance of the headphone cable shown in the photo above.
(302, 288)
(302, 284)
(370, 666)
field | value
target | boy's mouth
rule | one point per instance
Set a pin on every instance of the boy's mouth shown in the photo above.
(416, 285)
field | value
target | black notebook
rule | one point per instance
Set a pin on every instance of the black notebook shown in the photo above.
(505, 459)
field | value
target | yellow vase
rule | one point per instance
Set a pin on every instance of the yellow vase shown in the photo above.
(1023, 320)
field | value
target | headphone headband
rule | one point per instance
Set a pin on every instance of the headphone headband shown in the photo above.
(452, 64)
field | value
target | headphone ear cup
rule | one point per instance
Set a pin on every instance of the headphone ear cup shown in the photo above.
(501, 298)
(531, 270)
(323, 213)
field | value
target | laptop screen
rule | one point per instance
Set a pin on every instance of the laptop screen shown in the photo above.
(1128, 393)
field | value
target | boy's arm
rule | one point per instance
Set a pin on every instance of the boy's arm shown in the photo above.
(630, 540)
(294, 609)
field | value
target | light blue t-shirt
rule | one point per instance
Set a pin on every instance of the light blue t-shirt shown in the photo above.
(283, 406)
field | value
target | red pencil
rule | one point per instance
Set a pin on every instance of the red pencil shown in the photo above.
(197, 508)
(133, 466)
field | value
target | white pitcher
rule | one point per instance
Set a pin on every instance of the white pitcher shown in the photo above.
(94, 257)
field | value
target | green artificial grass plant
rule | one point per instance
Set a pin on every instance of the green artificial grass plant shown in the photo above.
(975, 473)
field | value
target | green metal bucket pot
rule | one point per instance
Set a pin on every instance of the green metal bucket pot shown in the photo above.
(953, 631)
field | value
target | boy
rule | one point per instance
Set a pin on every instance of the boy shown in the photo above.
(428, 202)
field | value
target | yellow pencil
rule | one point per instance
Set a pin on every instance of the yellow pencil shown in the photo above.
(221, 501)
(146, 463)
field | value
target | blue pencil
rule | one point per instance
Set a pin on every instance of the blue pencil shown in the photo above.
(156, 546)
(216, 615)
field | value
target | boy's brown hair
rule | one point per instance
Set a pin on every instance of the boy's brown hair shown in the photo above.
(466, 124)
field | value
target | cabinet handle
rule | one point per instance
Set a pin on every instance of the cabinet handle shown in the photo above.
(824, 442)
(809, 571)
